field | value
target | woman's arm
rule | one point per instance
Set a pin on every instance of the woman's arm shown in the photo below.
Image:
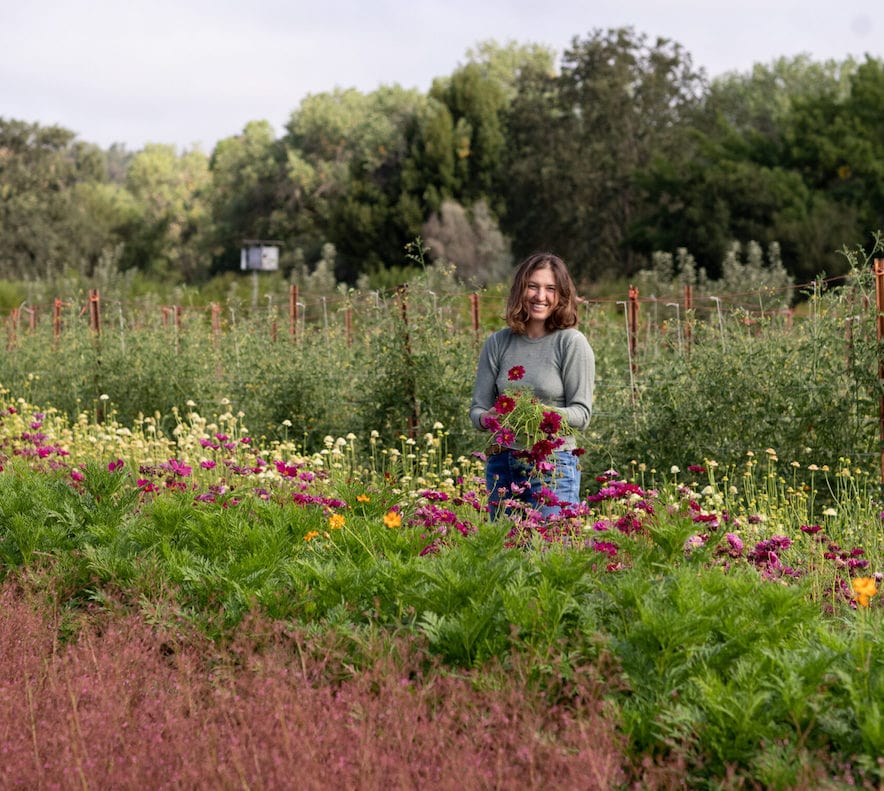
(485, 387)
(578, 379)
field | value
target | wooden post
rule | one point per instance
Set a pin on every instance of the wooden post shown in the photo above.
(632, 310)
(12, 324)
(56, 320)
(879, 303)
(474, 313)
(95, 311)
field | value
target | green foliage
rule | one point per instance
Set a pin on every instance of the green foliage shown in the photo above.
(724, 661)
(627, 150)
(169, 236)
(578, 141)
(711, 383)
(471, 242)
(54, 212)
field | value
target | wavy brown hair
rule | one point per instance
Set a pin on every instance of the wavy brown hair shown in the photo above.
(565, 313)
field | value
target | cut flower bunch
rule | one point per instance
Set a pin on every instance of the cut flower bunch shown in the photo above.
(534, 430)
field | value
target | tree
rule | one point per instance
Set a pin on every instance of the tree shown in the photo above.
(345, 154)
(835, 142)
(54, 212)
(770, 157)
(458, 151)
(577, 140)
(169, 235)
(248, 195)
(470, 241)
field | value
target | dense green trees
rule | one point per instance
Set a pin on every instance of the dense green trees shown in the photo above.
(624, 150)
(56, 210)
(787, 153)
(581, 138)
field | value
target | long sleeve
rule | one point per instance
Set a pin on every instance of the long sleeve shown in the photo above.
(485, 388)
(578, 378)
(559, 369)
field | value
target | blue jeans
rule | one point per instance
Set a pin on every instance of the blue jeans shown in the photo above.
(503, 470)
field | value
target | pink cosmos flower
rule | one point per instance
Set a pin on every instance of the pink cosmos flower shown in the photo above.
(551, 422)
(505, 437)
(504, 404)
(516, 372)
(492, 423)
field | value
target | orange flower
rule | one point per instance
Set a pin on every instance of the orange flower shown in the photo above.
(864, 588)
(392, 519)
(336, 521)
(362, 498)
(311, 535)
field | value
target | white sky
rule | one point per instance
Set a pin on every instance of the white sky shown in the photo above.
(191, 72)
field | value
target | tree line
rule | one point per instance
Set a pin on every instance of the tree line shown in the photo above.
(621, 149)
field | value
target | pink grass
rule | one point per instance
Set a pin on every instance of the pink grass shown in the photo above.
(127, 705)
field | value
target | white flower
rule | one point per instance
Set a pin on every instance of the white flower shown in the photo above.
(830, 512)
(674, 470)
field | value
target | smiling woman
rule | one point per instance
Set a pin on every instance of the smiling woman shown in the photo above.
(556, 365)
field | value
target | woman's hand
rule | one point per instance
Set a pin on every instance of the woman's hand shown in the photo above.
(488, 420)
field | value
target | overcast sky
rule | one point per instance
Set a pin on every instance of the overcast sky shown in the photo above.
(191, 72)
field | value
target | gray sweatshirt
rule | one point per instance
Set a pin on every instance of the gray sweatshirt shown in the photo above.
(559, 368)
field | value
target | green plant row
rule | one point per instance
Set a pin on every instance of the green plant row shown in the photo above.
(811, 389)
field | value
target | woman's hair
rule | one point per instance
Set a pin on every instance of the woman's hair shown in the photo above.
(565, 313)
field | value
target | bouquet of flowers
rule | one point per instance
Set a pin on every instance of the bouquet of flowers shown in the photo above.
(523, 423)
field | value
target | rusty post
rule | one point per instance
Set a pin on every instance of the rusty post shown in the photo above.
(56, 319)
(12, 325)
(474, 313)
(95, 311)
(632, 309)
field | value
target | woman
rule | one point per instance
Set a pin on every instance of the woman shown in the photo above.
(556, 362)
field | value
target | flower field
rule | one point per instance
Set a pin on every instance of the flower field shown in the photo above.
(229, 559)
(349, 615)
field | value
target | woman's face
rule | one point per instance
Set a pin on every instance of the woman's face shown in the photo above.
(541, 295)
